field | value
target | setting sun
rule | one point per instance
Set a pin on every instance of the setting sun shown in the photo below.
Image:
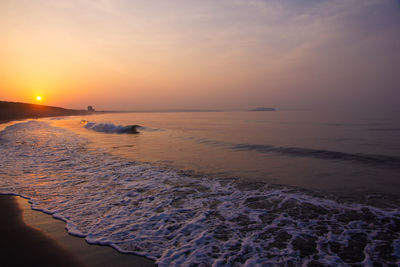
(187, 133)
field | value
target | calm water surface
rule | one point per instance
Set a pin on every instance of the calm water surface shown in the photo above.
(281, 147)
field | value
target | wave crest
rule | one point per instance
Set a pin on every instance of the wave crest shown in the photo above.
(363, 158)
(110, 128)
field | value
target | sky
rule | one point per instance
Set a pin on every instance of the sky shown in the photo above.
(210, 54)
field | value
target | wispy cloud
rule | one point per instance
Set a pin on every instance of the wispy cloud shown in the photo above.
(289, 52)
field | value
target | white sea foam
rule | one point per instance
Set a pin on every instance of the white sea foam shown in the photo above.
(179, 220)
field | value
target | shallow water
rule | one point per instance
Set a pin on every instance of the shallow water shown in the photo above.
(216, 188)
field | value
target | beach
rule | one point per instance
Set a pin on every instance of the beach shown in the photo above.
(200, 133)
(33, 238)
(207, 188)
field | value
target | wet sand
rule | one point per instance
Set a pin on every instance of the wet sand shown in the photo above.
(33, 238)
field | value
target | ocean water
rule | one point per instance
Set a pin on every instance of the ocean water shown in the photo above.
(216, 189)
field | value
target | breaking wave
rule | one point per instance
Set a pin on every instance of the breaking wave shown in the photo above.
(179, 220)
(110, 128)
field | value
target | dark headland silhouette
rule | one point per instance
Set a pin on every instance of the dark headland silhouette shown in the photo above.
(17, 111)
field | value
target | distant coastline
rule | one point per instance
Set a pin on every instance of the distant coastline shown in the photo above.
(167, 110)
(10, 111)
(262, 109)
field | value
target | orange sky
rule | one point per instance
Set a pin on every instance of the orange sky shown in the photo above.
(200, 54)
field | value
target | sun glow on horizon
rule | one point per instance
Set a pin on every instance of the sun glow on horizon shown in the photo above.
(131, 55)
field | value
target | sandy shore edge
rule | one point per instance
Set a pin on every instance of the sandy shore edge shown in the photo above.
(33, 238)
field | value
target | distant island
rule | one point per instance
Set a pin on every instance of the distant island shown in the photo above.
(17, 111)
(262, 109)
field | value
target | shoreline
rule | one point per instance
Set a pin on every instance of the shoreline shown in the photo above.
(34, 238)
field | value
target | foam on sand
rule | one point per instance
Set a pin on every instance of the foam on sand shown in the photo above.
(182, 220)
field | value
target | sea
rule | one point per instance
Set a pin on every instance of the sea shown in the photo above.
(275, 188)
